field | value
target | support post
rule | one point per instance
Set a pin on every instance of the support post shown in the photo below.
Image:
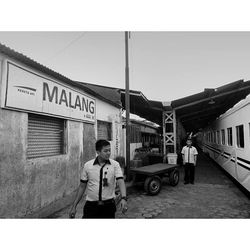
(127, 106)
(169, 131)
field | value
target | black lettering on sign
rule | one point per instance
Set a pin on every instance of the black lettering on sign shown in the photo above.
(85, 105)
(63, 98)
(46, 93)
(70, 101)
(91, 107)
(66, 97)
(78, 102)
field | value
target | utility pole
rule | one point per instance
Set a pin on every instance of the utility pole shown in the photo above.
(127, 106)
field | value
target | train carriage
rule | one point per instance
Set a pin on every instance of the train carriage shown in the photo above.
(227, 141)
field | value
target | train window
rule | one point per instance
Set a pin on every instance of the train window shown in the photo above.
(218, 137)
(229, 137)
(240, 136)
(214, 137)
(223, 136)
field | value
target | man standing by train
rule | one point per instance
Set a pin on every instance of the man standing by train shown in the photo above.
(189, 157)
(99, 177)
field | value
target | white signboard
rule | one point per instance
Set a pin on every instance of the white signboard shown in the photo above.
(28, 91)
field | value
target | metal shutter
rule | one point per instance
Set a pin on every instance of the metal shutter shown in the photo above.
(45, 136)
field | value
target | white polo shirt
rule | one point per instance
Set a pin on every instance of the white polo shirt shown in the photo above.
(189, 153)
(93, 174)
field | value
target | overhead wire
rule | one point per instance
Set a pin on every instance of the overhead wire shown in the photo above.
(67, 46)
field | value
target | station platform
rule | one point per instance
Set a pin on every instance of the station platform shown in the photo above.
(213, 195)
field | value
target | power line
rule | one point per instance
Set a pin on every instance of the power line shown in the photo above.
(66, 47)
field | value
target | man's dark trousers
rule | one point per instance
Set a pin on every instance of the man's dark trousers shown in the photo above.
(94, 211)
(189, 173)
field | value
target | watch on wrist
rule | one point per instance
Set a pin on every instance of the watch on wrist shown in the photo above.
(124, 198)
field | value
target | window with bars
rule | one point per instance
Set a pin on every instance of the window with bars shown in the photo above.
(240, 136)
(46, 136)
(104, 130)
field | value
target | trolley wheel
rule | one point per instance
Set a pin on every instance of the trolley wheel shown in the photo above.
(152, 185)
(174, 177)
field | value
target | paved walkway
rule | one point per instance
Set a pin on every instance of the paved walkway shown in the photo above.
(213, 195)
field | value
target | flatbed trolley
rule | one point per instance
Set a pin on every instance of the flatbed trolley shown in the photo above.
(152, 176)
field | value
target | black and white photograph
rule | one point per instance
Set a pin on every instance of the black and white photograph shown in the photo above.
(135, 126)
(172, 142)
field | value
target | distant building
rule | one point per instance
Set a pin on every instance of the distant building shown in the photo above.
(108, 117)
(143, 134)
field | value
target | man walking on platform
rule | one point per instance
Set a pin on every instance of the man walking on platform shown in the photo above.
(189, 157)
(99, 177)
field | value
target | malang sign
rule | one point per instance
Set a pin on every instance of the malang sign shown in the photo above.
(28, 91)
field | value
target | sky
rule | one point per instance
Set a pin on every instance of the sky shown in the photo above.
(164, 66)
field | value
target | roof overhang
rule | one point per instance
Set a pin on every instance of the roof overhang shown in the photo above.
(197, 111)
(141, 106)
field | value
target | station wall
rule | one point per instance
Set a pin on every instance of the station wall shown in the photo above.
(108, 113)
(28, 185)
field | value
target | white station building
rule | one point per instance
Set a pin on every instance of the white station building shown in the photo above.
(48, 128)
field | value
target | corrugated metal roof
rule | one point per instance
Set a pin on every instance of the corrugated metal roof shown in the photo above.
(197, 111)
(109, 93)
(35, 65)
(139, 104)
(194, 111)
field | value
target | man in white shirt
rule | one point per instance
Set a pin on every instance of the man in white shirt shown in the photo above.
(189, 157)
(99, 177)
